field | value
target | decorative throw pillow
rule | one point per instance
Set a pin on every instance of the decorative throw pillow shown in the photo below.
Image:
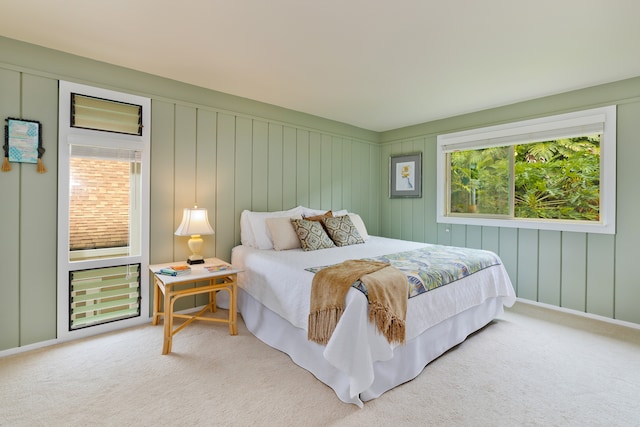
(342, 231)
(311, 234)
(283, 234)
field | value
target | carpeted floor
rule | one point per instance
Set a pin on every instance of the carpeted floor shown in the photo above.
(531, 367)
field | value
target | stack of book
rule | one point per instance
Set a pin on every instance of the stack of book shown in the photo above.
(175, 270)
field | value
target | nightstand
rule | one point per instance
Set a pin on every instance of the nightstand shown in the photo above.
(171, 288)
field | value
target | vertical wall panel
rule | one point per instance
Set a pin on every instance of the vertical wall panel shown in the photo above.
(347, 149)
(600, 277)
(302, 168)
(385, 202)
(162, 179)
(429, 175)
(419, 207)
(458, 235)
(474, 236)
(357, 169)
(444, 234)
(206, 172)
(491, 239)
(509, 254)
(228, 211)
(550, 262)
(574, 280)
(10, 224)
(336, 172)
(359, 189)
(373, 210)
(406, 205)
(275, 168)
(289, 168)
(243, 163)
(326, 173)
(260, 169)
(184, 157)
(205, 180)
(528, 264)
(38, 225)
(406, 219)
(396, 205)
(315, 159)
(627, 279)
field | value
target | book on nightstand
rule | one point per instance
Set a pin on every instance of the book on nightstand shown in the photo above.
(219, 267)
(175, 270)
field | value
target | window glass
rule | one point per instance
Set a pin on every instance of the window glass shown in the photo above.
(558, 179)
(481, 181)
(102, 209)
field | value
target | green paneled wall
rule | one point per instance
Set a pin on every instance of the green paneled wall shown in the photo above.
(10, 90)
(224, 153)
(228, 154)
(591, 273)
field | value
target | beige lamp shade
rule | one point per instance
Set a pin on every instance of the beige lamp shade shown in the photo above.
(195, 222)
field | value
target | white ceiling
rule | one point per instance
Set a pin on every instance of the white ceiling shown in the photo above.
(376, 64)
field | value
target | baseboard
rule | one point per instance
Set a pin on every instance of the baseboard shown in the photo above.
(41, 344)
(580, 313)
(29, 347)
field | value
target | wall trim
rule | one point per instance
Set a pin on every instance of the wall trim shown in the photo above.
(592, 316)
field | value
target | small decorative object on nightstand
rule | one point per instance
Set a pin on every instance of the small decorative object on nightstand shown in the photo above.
(195, 223)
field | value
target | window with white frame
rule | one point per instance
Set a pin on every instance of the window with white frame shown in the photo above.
(551, 173)
(103, 209)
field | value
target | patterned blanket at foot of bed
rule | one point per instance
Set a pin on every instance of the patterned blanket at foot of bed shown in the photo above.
(433, 266)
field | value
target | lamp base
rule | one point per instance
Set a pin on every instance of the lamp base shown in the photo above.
(195, 261)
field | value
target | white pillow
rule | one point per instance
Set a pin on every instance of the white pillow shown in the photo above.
(246, 235)
(282, 233)
(260, 237)
(341, 212)
(359, 224)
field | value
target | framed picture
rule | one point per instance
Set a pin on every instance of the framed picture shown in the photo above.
(23, 140)
(405, 175)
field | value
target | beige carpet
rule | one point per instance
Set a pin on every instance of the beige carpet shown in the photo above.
(532, 367)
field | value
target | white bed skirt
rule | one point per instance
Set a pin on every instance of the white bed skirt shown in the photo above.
(407, 362)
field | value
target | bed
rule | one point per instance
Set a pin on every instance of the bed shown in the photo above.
(358, 363)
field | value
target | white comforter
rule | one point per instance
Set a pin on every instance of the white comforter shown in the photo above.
(279, 281)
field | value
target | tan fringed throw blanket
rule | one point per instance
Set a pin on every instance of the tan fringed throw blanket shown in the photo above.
(386, 288)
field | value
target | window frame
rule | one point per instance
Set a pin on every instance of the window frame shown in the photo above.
(70, 136)
(526, 131)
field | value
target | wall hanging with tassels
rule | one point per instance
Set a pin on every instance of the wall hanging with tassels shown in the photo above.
(23, 143)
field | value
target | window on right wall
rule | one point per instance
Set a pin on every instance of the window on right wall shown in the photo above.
(550, 173)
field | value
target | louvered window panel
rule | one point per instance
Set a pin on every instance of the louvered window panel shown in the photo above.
(103, 295)
(102, 114)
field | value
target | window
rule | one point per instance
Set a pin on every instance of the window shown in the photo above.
(103, 217)
(103, 206)
(553, 173)
(102, 114)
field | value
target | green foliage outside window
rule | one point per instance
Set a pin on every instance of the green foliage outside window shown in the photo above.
(557, 179)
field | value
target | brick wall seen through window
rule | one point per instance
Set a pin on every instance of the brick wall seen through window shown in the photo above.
(99, 205)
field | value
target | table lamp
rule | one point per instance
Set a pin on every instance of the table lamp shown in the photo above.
(195, 223)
